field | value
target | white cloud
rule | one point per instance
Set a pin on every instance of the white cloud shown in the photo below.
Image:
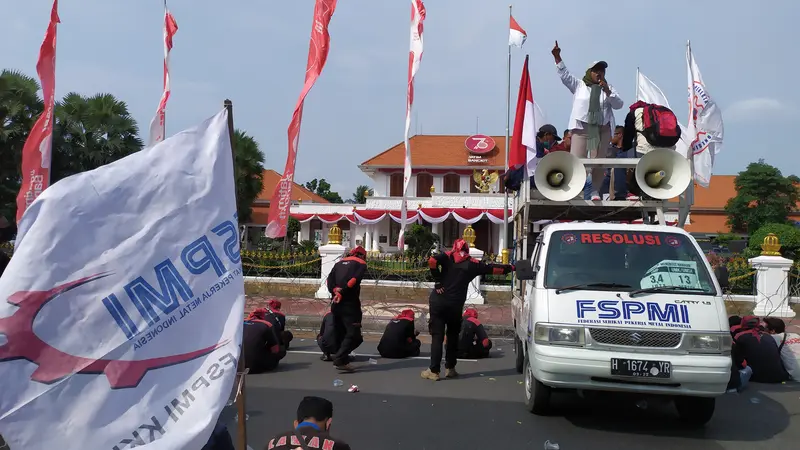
(758, 109)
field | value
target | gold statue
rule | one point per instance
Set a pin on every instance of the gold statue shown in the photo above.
(484, 180)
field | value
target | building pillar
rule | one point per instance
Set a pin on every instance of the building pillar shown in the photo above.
(368, 238)
(474, 296)
(772, 280)
(375, 233)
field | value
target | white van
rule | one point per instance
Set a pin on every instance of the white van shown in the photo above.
(618, 307)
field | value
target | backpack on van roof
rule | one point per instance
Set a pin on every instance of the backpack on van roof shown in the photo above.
(659, 124)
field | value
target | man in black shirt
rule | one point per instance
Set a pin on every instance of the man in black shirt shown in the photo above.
(399, 339)
(473, 342)
(311, 429)
(261, 345)
(326, 338)
(452, 271)
(278, 320)
(760, 351)
(344, 284)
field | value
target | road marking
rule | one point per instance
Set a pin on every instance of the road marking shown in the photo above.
(308, 352)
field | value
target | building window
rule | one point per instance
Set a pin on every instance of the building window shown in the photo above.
(424, 183)
(394, 232)
(315, 232)
(449, 232)
(452, 183)
(396, 185)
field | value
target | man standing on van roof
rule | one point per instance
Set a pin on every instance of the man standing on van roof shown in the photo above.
(452, 271)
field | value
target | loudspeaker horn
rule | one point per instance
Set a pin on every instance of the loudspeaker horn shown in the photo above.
(560, 176)
(663, 173)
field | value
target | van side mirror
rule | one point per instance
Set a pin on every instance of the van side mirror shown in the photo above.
(525, 270)
(721, 272)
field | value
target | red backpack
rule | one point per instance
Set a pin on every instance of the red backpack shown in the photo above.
(661, 127)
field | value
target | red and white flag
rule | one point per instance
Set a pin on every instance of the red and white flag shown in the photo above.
(158, 124)
(37, 152)
(516, 35)
(414, 58)
(526, 122)
(317, 55)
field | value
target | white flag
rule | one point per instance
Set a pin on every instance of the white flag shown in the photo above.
(648, 92)
(122, 306)
(517, 34)
(705, 124)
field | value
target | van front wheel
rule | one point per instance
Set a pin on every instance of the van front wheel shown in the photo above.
(537, 395)
(695, 411)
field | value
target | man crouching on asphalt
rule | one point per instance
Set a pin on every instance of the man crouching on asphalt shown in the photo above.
(452, 271)
(344, 284)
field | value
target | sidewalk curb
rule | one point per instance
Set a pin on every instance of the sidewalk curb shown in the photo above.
(377, 325)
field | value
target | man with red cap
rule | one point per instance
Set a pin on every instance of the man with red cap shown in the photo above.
(452, 271)
(260, 343)
(344, 284)
(473, 342)
(278, 320)
(399, 340)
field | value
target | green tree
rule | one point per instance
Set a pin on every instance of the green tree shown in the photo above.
(361, 194)
(788, 236)
(249, 173)
(20, 106)
(420, 241)
(763, 195)
(91, 132)
(323, 189)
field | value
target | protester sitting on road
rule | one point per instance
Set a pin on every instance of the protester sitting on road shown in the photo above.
(788, 345)
(220, 439)
(312, 427)
(760, 351)
(592, 117)
(344, 284)
(452, 272)
(473, 343)
(278, 319)
(260, 343)
(326, 338)
(399, 339)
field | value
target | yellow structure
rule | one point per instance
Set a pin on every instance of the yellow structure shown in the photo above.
(469, 235)
(335, 235)
(771, 246)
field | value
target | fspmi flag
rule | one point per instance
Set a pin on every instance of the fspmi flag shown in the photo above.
(121, 310)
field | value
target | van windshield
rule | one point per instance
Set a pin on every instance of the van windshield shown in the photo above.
(625, 261)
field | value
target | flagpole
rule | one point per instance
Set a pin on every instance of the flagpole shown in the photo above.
(241, 407)
(694, 127)
(508, 122)
(637, 84)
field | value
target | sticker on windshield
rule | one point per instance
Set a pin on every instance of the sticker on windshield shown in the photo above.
(672, 241)
(569, 238)
(620, 238)
(672, 273)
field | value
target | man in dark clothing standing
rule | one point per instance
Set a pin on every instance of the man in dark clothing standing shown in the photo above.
(452, 271)
(399, 339)
(755, 346)
(344, 284)
(473, 342)
(260, 343)
(314, 417)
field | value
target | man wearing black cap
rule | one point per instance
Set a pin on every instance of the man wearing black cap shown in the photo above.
(311, 428)
(592, 117)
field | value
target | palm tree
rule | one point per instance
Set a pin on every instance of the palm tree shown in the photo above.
(91, 132)
(20, 106)
(249, 173)
(361, 194)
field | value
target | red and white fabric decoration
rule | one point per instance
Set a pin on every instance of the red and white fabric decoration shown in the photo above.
(434, 215)
(324, 218)
(496, 216)
(429, 215)
(369, 216)
(411, 216)
(467, 216)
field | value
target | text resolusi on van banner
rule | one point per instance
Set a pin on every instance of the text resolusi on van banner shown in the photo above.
(281, 198)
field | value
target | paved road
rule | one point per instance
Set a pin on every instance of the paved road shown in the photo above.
(483, 409)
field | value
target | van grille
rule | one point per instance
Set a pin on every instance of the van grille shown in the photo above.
(635, 338)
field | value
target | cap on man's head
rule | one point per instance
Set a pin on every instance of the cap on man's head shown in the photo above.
(599, 65)
(316, 408)
(548, 129)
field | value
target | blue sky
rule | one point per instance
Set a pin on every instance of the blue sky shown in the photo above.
(254, 52)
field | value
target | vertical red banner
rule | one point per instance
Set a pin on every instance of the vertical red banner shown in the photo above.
(37, 152)
(281, 198)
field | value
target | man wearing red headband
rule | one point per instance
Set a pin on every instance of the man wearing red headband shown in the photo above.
(452, 271)
(344, 284)
(278, 320)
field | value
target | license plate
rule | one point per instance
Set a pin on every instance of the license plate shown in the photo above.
(641, 369)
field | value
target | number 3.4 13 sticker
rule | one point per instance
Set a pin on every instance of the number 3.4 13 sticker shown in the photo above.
(672, 273)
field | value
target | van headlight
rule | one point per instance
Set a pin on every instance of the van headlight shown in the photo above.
(559, 334)
(718, 343)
